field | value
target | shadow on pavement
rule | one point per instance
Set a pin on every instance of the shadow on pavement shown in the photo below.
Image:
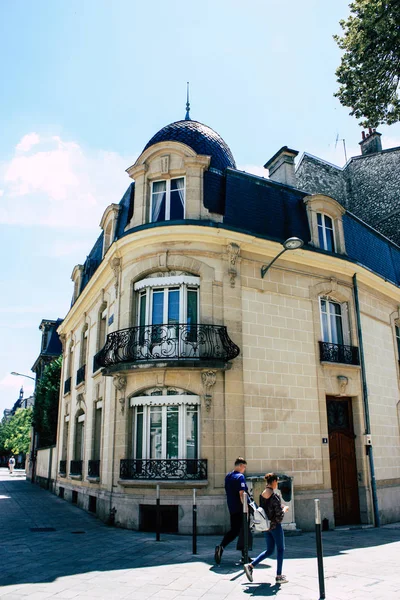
(43, 556)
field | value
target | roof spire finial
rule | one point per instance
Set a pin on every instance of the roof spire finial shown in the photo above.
(187, 116)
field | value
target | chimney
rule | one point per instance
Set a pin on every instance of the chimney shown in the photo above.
(281, 166)
(371, 142)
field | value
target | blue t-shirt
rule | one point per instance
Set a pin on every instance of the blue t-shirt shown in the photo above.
(235, 483)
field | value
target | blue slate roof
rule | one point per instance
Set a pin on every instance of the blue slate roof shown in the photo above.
(201, 138)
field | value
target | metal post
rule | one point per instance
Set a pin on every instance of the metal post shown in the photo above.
(318, 536)
(158, 515)
(245, 529)
(194, 538)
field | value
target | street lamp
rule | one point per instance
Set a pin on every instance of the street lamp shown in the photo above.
(21, 375)
(292, 243)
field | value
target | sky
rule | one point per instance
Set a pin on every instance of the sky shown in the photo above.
(84, 84)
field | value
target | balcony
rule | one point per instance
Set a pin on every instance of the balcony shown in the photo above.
(338, 353)
(63, 468)
(190, 344)
(67, 386)
(81, 374)
(75, 468)
(94, 468)
(164, 469)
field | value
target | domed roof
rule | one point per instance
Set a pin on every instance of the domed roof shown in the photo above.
(202, 139)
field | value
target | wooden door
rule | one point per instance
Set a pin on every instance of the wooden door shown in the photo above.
(343, 461)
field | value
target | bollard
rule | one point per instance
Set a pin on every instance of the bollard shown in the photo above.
(158, 515)
(194, 538)
(318, 536)
(245, 529)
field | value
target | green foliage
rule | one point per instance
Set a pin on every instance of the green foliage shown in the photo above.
(15, 432)
(369, 73)
(45, 411)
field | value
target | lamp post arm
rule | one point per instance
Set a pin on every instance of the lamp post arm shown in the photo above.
(265, 268)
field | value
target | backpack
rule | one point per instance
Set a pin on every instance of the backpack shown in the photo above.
(259, 521)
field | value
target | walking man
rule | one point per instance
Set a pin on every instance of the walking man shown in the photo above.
(235, 487)
(11, 464)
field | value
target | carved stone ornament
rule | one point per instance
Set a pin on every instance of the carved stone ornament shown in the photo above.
(115, 264)
(80, 399)
(209, 378)
(233, 254)
(165, 164)
(343, 382)
(120, 383)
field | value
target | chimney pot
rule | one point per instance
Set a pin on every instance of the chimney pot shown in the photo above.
(371, 142)
(363, 135)
(370, 130)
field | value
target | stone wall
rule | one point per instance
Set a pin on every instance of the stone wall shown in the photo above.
(368, 186)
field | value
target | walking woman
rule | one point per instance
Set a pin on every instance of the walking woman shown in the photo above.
(271, 503)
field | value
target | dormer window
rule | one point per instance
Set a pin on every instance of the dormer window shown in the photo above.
(108, 224)
(326, 224)
(168, 200)
(326, 233)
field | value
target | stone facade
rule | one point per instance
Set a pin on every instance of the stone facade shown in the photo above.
(268, 404)
(368, 186)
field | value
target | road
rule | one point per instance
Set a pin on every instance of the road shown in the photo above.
(81, 558)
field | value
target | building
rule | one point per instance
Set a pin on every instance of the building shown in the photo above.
(50, 349)
(368, 185)
(183, 350)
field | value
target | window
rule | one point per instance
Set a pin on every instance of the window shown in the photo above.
(326, 232)
(79, 435)
(397, 331)
(97, 433)
(168, 300)
(165, 425)
(334, 322)
(168, 200)
(64, 450)
(102, 328)
(84, 343)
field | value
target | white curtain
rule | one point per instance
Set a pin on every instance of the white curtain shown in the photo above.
(180, 186)
(158, 197)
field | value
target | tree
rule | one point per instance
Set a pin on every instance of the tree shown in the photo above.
(15, 431)
(45, 410)
(369, 73)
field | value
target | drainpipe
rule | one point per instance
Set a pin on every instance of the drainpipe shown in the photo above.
(366, 406)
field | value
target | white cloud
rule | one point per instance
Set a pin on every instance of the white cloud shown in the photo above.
(1, 193)
(56, 183)
(28, 141)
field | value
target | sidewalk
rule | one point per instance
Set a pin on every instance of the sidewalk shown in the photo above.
(82, 558)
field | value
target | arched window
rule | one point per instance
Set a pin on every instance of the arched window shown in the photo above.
(326, 225)
(326, 232)
(107, 237)
(165, 424)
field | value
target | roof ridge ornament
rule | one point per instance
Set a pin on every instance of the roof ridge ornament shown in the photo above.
(187, 116)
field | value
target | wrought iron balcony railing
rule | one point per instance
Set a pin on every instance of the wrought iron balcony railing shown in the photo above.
(75, 467)
(163, 342)
(67, 385)
(183, 469)
(338, 353)
(96, 365)
(63, 467)
(81, 374)
(93, 468)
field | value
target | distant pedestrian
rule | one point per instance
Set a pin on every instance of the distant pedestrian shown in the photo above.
(235, 487)
(271, 503)
(11, 465)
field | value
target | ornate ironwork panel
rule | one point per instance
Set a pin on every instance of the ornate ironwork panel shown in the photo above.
(63, 467)
(75, 467)
(81, 374)
(163, 342)
(186, 469)
(67, 385)
(93, 468)
(96, 365)
(338, 353)
(338, 415)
